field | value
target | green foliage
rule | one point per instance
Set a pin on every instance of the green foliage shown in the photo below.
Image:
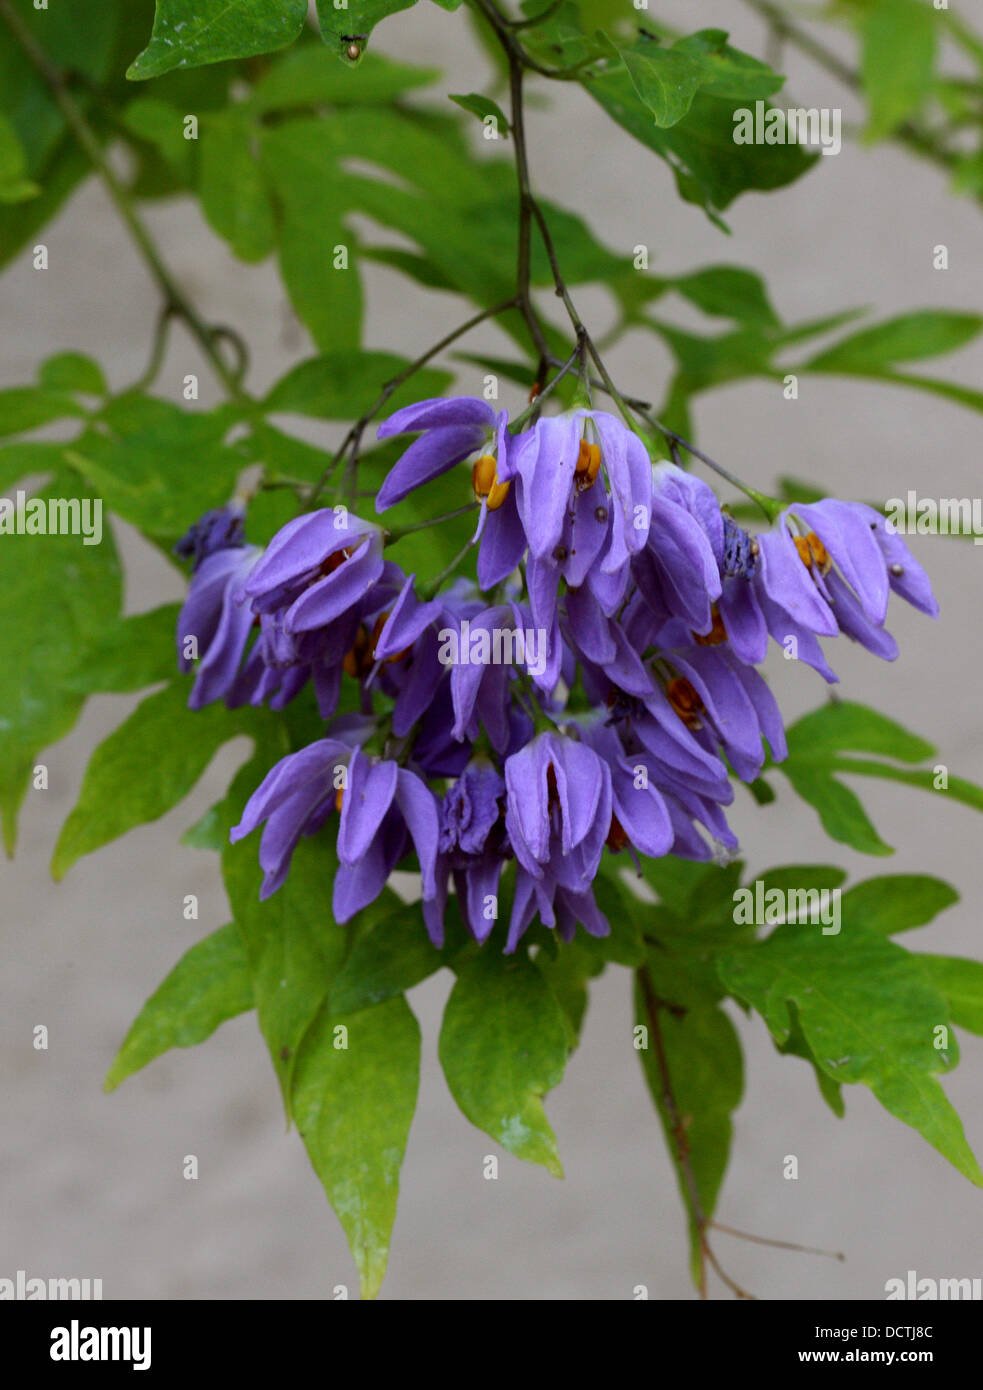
(292, 944)
(188, 33)
(65, 595)
(143, 769)
(503, 1045)
(483, 107)
(899, 38)
(819, 747)
(209, 984)
(343, 385)
(868, 1014)
(353, 1105)
(155, 464)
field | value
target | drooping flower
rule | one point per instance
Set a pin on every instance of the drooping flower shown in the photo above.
(471, 849)
(678, 570)
(384, 809)
(215, 623)
(223, 528)
(557, 817)
(316, 569)
(827, 567)
(456, 429)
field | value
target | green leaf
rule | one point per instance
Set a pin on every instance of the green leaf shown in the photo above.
(209, 984)
(318, 256)
(310, 76)
(356, 20)
(961, 981)
(483, 107)
(897, 59)
(61, 596)
(188, 33)
(15, 186)
(24, 408)
(728, 291)
(710, 169)
(387, 957)
(85, 49)
(795, 1045)
(503, 1045)
(143, 768)
(896, 902)
(342, 385)
(969, 793)
(869, 1015)
(294, 947)
(702, 1055)
(815, 762)
(29, 456)
(907, 338)
(567, 973)
(791, 876)
(232, 186)
(354, 1106)
(162, 126)
(19, 222)
(727, 71)
(158, 466)
(844, 724)
(840, 810)
(132, 653)
(665, 79)
(72, 371)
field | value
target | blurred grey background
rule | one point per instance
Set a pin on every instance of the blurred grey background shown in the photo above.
(92, 1184)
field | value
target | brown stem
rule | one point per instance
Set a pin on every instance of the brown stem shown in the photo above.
(175, 301)
(677, 1128)
(353, 439)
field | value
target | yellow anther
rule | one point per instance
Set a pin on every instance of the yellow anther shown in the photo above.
(484, 480)
(813, 552)
(483, 476)
(498, 494)
(588, 465)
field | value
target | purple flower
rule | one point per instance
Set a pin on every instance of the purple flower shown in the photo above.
(295, 798)
(722, 701)
(827, 568)
(384, 808)
(557, 817)
(483, 654)
(316, 569)
(453, 430)
(678, 572)
(215, 624)
(220, 529)
(472, 849)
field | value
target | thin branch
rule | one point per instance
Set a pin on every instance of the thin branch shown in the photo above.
(352, 440)
(677, 1128)
(174, 298)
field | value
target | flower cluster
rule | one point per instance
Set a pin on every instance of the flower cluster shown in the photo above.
(602, 685)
